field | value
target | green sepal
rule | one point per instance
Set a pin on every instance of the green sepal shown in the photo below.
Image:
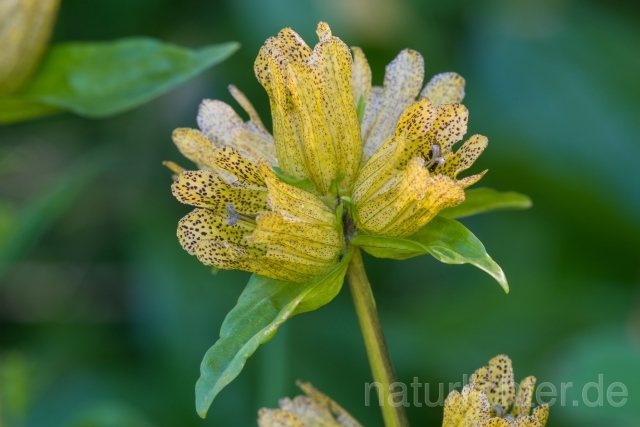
(263, 307)
(481, 200)
(445, 239)
(303, 183)
(335, 184)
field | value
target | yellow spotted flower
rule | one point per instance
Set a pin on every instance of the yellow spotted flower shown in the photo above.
(268, 204)
(486, 400)
(315, 125)
(410, 168)
(246, 217)
(313, 410)
(25, 29)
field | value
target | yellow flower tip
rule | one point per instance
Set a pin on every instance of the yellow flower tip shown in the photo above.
(313, 410)
(323, 31)
(315, 124)
(444, 88)
(173, 167)
(485, 401)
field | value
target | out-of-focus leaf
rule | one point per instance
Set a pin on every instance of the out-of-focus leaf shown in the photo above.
(8, 219)
(262, 308)
(25, 28)
(14, 387)
(480, 200)
(50, 205)
(16, 109)
(102, 79)
(110, 415)
(445, 239)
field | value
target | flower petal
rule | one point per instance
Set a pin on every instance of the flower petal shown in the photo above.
(278, 418)
(293, 203)
(523, 399)
(444, 88)
(310, 411)
(316, 126)
(402, 83)
(541, 413)
(416, 120)
(195, 146)
(247, 106)
(370, 114)
(465, 409)
(462, 159)
(398, 198)
(318, 150)
(442, 192)
(314, 246)
(526, 422)
(332, 60)
(207, 190)
(494, 422)
(225, 127)
(496, 380)
(360, 77)
(246, 171)
(202, 225)
(287, 124)
(377, 169)
(449, 127)
(470, 180)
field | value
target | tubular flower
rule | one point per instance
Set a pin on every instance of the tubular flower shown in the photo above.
(485, 401)
(410, 169)
(313, 410)
(246, 217)
(254, 214)
(315, 124)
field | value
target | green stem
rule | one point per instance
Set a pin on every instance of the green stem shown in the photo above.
(374, 342)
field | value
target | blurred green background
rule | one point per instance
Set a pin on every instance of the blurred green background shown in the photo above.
(104, 319)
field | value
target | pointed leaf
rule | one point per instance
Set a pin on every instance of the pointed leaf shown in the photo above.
(445, 239)
(263, 306)
(106, 78)
(17, 109)
(480, 200)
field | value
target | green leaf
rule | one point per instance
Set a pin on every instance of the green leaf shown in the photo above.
(103, 79)
(303, 183)
(445, 239)
(480, 200)
(263, 306)
(16, 109)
